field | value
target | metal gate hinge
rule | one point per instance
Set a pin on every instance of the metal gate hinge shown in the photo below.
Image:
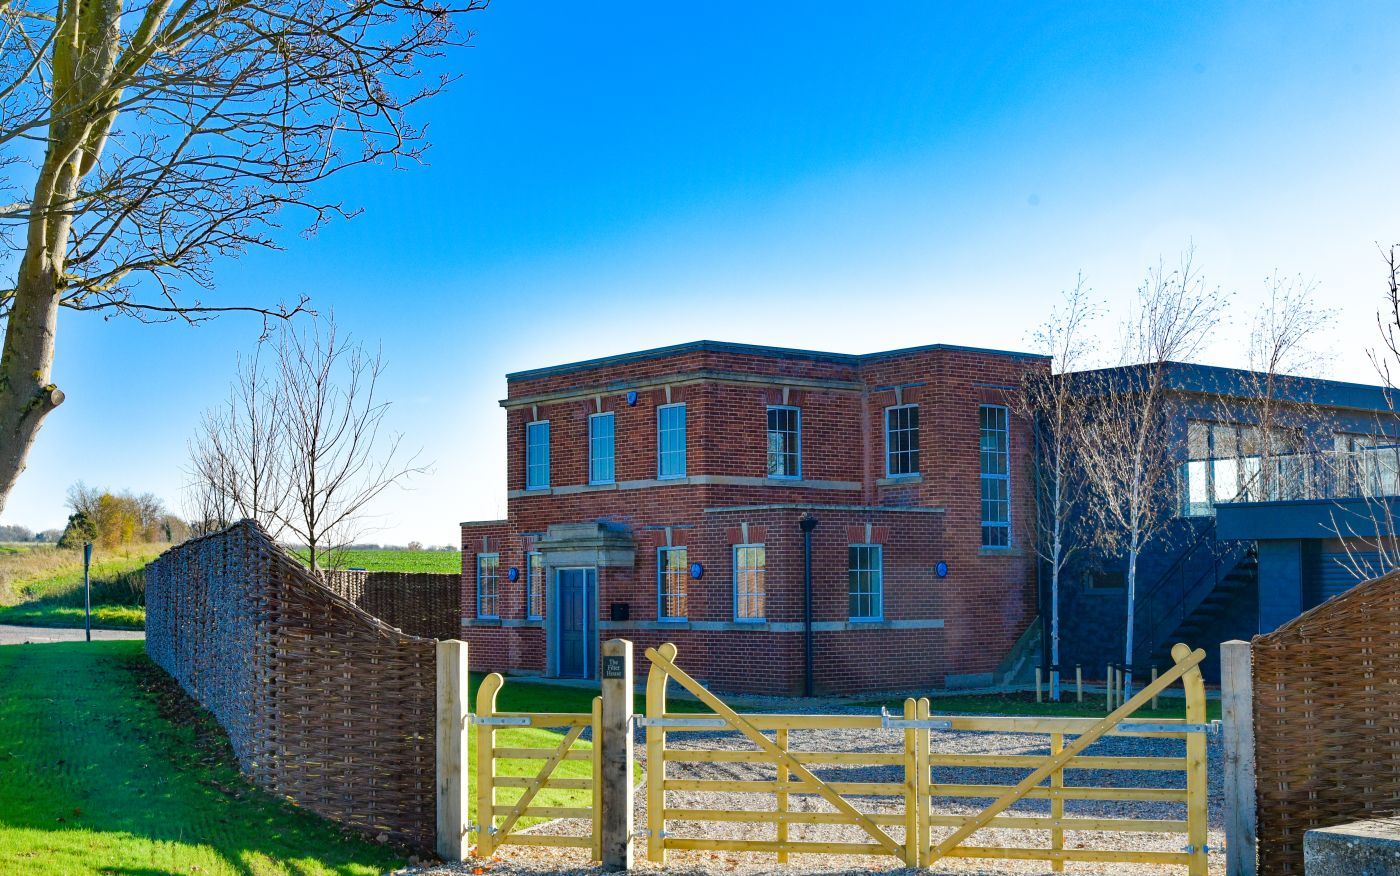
(892, 722)
(499, 720)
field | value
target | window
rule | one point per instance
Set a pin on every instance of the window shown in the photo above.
(784, 442)
(750, 564)
(672, 572)
(534, 586)
(537, 455)
(488, 585)
(600, 449)
(866, 565)
(996, 477)
(1103, 579)
(1224, 463)
(670, 441)
(902, 440)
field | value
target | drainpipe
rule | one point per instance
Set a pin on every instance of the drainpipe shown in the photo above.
(807, 523)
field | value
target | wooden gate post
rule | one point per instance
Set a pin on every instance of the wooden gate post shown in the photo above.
(1237, 709)
(451, 750)
(618, 759)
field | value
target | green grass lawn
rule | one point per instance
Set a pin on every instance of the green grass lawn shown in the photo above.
(104, 770)
(45, 587)
(397, 561)
(1025, 704)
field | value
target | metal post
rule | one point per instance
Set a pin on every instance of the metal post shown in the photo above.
(1079, 680)
(618, 756)
(87, 589)
(807, 523)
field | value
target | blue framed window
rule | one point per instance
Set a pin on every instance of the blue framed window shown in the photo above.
(866, 590)
(601, 449)
(537, 455)
(488, 585)
(670, 441)
(672, 575)
(784, 442)
(902, 440)
(996, 476)
(750, 570)
(534, 586)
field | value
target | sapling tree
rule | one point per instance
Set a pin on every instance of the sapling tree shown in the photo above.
(1127, 449)
(141, 142)
(1055, 411)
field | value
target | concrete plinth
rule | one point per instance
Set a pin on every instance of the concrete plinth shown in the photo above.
(1360, 848)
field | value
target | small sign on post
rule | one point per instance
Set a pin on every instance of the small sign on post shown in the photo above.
(618, 757)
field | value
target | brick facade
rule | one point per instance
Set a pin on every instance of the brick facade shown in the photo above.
(932, 628)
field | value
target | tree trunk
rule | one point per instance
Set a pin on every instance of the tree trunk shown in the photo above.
(1132, 598)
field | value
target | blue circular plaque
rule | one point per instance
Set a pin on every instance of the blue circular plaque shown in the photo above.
(513, 574)
(941, 569)
(697, 571)
(632, 398)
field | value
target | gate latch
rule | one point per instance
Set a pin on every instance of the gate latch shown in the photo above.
(891, 722)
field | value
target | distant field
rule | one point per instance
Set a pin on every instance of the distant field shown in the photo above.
(43, 586)
(398, 561)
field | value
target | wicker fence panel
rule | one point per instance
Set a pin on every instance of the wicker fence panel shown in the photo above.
(324, 703)
(1327, 720)
(427, 604)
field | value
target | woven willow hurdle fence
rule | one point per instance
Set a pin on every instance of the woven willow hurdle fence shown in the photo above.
(1326, 690)
(323, 703)
(427, 604)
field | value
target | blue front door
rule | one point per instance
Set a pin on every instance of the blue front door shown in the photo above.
(575, 622)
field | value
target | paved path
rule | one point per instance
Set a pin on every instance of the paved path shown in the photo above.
(10, 635)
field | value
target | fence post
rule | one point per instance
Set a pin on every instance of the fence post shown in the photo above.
(618, 757)
(1237, 710)
(1197, 790)
(451, 750)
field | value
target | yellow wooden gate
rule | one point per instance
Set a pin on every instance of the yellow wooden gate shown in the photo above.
(497, 821)
(916, 845)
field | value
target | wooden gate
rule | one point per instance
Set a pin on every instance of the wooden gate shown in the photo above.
(497, 821)
(914, 842)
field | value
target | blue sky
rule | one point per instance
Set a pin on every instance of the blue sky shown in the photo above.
(610, 177)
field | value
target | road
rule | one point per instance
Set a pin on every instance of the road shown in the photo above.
(10, 635)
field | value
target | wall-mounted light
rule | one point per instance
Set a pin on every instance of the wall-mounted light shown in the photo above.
(697, 571)
(513, 574)
(632, 399)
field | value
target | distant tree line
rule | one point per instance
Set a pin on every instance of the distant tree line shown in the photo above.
(110, 520)
(10, 532)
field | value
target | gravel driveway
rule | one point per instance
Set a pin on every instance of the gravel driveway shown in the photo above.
(534, 860)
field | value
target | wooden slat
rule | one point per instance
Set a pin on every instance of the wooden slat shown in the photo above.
(834, 758)
(540, 753)
(768, 786)
(552, 720)
(795, 848)
(774, 817)
(1129, 856)
(557, 812)
(1019, 822)
(1031, 761)
(562, 784)
(545, 839)
(1068, 792)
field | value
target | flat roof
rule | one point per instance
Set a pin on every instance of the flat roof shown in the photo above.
(1189, 377)
(851, 359)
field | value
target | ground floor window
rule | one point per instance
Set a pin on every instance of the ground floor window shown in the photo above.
(534, 585)
(750, 567)
(672, 571)
(866, 564)
(488, 585)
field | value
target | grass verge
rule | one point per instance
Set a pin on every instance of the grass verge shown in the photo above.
(106, 767)
(44, 587)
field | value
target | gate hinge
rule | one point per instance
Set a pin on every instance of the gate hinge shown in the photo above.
(499, 720)
(682, 723)
(1191, 850)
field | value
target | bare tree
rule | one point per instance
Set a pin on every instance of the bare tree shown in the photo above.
(1127, 450)
(1049, 402)
(236, 457)
(140, 144)
(336, 453)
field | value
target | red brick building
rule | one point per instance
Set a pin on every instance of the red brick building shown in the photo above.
(657, 496)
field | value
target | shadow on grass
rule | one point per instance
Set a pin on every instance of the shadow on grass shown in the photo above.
(106, 766)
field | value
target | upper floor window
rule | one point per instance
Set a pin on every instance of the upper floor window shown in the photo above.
(902, 440)
(534, 585)
(670, 441)
(672, 573)
(601, 452)
(1225, 463)
(537, 455)
(784, 442)
(488, 582)
(866, 568)
(996, 476)
(750, 568)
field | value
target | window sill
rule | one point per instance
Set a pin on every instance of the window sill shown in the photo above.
(533, 622)
(679, 623)
(538, 491)
(865, 620)
(485, 622)
(899, 480)
(1000, 552)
